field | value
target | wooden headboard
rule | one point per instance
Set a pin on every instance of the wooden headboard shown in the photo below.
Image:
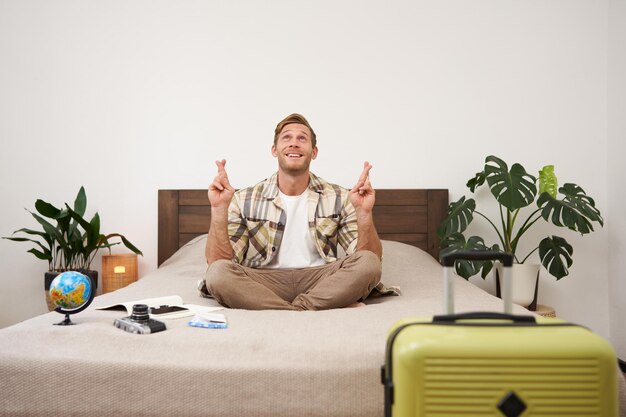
(408, 216)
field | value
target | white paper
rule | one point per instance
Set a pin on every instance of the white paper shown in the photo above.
(172, 300)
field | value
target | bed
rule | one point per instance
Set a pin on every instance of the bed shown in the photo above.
(267, 363)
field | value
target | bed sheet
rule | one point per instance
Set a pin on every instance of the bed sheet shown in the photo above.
(267, 363)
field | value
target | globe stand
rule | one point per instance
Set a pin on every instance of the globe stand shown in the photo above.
(65, 290)
(66, 322)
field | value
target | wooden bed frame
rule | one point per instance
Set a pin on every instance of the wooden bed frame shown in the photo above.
(410, 216)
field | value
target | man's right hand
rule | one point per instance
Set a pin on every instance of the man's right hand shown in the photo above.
(220, 190)
(220, 193)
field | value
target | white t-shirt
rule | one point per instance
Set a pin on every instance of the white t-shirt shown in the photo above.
(297, 248)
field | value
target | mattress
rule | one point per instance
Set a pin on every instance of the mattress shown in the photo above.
(267, 363)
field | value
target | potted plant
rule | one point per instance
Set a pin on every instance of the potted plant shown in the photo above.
(566, 206)
(69, 242)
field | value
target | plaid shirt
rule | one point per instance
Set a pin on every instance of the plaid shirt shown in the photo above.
(256, 221)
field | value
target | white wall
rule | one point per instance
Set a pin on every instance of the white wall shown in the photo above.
(127, 97)
(617, 171)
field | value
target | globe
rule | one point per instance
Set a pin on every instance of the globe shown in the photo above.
(71, 292)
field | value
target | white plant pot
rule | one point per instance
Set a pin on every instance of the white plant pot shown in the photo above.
(524, 280)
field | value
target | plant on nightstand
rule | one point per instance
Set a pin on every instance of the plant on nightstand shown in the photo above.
(69, 242)
(514, 189)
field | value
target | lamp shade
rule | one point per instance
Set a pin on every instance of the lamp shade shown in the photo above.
(118, 270)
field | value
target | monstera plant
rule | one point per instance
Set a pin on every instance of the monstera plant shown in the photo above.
(513, 189)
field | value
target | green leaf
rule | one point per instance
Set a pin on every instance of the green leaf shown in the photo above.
(25, 239)
(131, 246)
(458, 216)
(47, 209)
(456, 242)
(40, 255)
(477, 181)
(80, 204)
(575, 211)
(93, 233)
(47, 252)
(44, 235)
(63, 221)
(89, 240)
(556, 256)
(513, 189)
(78, 218)
(451, 243)
(95, 224)
(19, 239)
(547, 181)
(126, 243)
(51, 230)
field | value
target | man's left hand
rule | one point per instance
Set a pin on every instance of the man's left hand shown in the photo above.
(362, 195)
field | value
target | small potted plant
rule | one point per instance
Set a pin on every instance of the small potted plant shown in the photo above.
(567, 206)
(69, 242)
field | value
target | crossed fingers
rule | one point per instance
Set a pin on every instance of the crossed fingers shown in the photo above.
(363, 185)
(221, 180)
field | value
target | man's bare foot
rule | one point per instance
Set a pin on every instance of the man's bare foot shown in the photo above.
(357, 304)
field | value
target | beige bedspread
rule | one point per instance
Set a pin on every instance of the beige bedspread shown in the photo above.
(268, 363)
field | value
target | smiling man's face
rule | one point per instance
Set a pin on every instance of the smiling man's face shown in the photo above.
(294, 149)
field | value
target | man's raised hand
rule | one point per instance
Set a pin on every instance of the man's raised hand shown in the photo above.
(220, 190)
(362, 195)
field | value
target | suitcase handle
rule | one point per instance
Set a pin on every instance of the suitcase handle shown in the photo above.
(483, 315)
(477, 255)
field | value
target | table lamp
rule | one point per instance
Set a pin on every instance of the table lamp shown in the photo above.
(118, 270)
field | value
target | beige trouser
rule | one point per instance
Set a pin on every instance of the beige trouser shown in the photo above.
(334, 285)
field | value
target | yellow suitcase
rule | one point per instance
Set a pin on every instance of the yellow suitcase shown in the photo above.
(492, 364)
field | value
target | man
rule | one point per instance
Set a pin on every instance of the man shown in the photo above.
(274, 245)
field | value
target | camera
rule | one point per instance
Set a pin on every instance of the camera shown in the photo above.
(139, 322)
